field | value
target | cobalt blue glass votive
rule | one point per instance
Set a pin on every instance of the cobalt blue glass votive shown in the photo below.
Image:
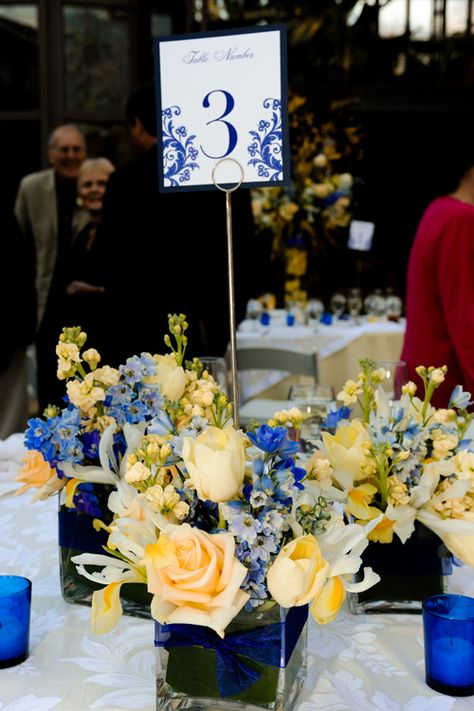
(15, 604)
(448, 624)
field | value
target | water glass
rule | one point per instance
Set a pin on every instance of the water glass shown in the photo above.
(15, 604)
(448, 627)
(314, 309)
(396, 375)
(354, 302)
(338, 304)
(216, 366)
(254, 310)
(314, 401)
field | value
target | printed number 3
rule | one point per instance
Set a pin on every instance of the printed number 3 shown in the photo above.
(232, 133)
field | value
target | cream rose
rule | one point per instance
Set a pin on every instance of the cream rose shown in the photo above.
(348, 450)
(170, 377)
(215, 461)
(195, 578)
(298, 573)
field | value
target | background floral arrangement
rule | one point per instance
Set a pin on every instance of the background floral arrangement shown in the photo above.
(402, 463)
(308, 217)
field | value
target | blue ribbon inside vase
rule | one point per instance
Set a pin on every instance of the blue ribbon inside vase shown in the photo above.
(238, 654)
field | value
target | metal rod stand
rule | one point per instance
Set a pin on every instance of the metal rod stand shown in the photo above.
(231, 286)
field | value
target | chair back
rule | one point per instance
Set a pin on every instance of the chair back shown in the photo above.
(294, 362)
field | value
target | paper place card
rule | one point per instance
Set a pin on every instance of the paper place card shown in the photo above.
(222, 95)
(360, 235)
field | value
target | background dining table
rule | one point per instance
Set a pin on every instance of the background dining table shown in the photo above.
(338, 347)
(356, 663)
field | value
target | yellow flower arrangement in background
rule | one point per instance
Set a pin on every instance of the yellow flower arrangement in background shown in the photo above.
(308, 216)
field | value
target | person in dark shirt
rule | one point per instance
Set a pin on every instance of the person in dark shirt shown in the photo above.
(46, 211)
(167, 253)
(84, 299)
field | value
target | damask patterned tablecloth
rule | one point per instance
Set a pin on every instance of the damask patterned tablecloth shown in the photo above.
(357, 663)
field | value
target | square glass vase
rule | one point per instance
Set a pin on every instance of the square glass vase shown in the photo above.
(260, 663)
(410, 572)
(76, 535)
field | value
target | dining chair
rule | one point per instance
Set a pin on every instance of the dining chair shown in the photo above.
(266, 359)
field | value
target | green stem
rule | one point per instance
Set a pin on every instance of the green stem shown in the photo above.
(81, 370)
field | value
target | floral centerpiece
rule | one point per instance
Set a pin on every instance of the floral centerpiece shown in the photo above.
(76, 450)
(227, 533)
(407, 467)
(307, 218)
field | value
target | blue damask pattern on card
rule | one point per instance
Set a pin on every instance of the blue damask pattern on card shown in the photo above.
(266, 147)
(179, 152)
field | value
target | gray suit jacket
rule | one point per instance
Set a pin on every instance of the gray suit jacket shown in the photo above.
(37, 214)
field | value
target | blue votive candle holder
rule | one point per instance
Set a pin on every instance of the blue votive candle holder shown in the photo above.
(15, 605)
(448, 625)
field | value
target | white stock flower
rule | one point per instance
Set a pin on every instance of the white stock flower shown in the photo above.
(92, 357)
(84, 394)
(107, 375)
(437, 376)
(166, 501)
(137, 472)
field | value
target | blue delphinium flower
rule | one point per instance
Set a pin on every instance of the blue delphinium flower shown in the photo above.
(334, 417)
(161, 424)
(245, 527)
(90, 444)
(273, 439)
(459, 398)
(38, 436)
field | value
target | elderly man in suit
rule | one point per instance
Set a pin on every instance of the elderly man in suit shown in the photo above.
(46, 209)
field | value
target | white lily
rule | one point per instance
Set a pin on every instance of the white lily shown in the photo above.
(342, 545)
(130, 537)
(456, 534)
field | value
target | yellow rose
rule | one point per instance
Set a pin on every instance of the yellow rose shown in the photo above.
(170, 377)
(298, 573)
(195, 578)
(347, 450)
(35, 472)
(215, 461)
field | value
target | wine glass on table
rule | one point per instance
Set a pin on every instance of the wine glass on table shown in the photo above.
(314, 309)
(254, 311)
(354, 303)
(396, 374)
(216, 366)
(338, 304)
(315, 402)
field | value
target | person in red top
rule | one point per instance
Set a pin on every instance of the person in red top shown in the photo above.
(440, 290)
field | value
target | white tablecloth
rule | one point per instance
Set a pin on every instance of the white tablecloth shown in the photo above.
(359, 663)
(339, 347)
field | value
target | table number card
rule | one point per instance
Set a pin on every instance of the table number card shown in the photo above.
(222, 95)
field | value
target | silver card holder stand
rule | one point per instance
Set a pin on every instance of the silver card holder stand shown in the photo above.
(230, 275)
